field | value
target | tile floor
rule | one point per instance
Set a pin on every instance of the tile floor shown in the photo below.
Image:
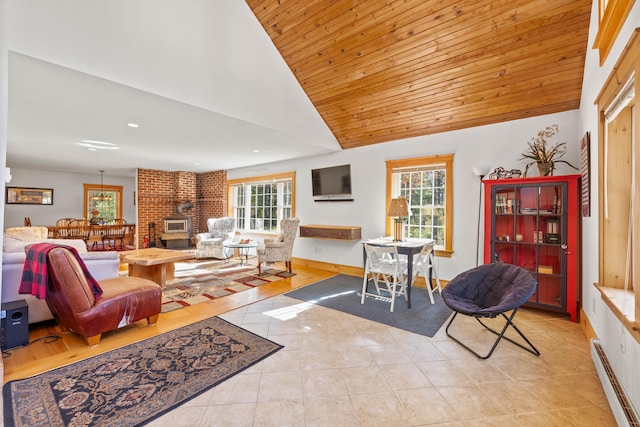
(340, 370)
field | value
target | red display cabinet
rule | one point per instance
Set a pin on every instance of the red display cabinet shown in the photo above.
(535, 223)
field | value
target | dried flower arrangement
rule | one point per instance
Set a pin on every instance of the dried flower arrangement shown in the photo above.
(545, 156)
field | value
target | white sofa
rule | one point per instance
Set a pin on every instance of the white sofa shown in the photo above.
(101, 265)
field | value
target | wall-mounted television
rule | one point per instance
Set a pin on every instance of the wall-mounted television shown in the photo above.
(332, 183)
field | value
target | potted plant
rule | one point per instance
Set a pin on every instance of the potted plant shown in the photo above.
(543, 155)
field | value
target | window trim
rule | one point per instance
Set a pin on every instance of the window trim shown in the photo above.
(628, 65)
(99, 187)
(262, 179)
(611, 16)
(439, 159)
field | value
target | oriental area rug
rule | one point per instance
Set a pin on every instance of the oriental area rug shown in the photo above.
(198, 281)
(344, 292)
(134, 384)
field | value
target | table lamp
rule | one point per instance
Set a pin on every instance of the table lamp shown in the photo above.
(398, 208)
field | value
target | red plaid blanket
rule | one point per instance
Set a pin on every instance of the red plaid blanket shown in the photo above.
(35, 273)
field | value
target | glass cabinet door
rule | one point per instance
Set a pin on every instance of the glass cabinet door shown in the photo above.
(528, 229)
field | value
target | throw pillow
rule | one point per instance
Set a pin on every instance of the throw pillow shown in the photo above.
(11, 245)
(22, 233)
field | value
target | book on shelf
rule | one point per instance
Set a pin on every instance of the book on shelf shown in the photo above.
(506, 206)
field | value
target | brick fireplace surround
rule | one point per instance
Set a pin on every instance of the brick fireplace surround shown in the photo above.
(160, 193)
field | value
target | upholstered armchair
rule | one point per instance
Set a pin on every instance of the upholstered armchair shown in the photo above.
(102, 265)
(80, 306)
(281, 248)
(211, 244)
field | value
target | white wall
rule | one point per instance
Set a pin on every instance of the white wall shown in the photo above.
(621, 348)
(68, 196)
(495, 145)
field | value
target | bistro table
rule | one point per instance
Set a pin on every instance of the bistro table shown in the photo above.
(243, 250)
(407, 247)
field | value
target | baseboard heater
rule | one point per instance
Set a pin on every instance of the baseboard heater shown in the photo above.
(621, 407)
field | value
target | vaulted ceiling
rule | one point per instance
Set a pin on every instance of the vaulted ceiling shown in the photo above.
(379, 71)
(228, 84)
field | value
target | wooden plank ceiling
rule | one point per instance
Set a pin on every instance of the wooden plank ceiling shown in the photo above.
(382, 70)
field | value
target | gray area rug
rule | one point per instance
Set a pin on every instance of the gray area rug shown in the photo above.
(343, 293)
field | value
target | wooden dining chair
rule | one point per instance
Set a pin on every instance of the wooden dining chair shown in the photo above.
(383, 267)
(423, 265)
(62, 230)
(113, 233)
(80, 229)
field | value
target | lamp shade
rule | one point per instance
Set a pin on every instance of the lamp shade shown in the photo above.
(398, 207)
(481, 170)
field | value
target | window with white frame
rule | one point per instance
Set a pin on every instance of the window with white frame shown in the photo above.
(259, 203)
(426, 184)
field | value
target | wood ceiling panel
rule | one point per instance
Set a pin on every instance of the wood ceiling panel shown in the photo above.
(398, 43)
(540, 40)
(490, 72)
(379, 71)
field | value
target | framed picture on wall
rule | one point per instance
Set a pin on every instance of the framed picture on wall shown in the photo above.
(29, 196)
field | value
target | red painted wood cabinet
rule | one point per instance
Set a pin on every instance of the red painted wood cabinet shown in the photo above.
(535, 223)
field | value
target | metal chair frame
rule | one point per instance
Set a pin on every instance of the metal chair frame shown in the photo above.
(501, 335)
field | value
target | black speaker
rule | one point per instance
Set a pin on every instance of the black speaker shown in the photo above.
(14, 319)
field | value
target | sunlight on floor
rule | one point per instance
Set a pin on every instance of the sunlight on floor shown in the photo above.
(290, 312)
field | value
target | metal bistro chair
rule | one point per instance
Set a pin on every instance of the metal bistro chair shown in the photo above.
(383, 266)
(489, 291)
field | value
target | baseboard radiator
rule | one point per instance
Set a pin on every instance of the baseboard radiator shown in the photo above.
(621, 407)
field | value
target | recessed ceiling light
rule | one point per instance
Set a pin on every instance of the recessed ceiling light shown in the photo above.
(133, 125)
(256, 150)
(98, 145)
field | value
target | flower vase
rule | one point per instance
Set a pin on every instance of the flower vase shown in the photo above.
(545, 168)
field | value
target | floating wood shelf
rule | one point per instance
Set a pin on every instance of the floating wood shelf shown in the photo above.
(337, 232)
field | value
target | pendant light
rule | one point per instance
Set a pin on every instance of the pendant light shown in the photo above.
(102, 197)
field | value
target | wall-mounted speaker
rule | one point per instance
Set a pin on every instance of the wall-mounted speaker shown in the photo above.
(14, 324)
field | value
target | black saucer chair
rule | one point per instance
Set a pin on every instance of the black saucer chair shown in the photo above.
(489, 291)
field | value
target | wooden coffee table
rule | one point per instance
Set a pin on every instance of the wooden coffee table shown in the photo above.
(153, 263)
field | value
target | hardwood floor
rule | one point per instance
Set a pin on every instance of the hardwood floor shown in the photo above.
(43, 354)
